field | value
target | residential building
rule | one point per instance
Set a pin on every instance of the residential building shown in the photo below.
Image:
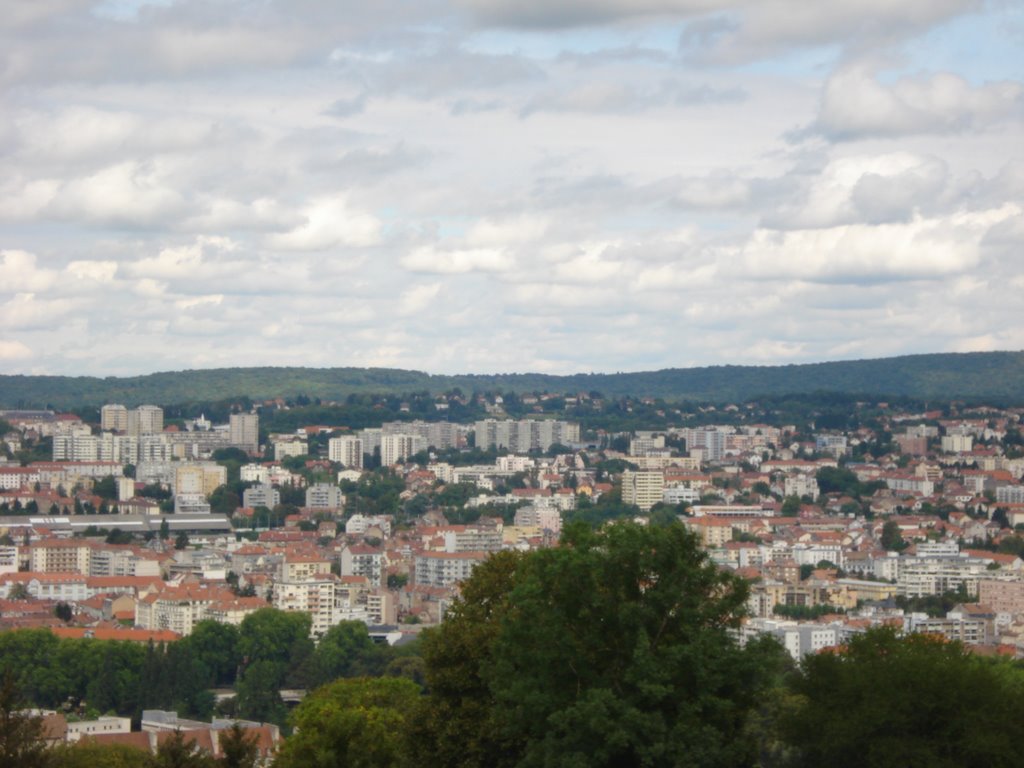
(114, 418)
(261, 496)
(244, 431)
(364, 560)
(444, 569)
(324, 496)
(146, 420)
(346, 450)
(395, 448)
(644, 488)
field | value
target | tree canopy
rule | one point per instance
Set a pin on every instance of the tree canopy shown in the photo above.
(918, 700)
(612, 649)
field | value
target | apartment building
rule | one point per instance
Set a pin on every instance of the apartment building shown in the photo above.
(346, 450)
(364, 560)
(644, 488)
(444, 569)
(244, 431)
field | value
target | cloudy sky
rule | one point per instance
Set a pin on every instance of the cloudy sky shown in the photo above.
(507, 185)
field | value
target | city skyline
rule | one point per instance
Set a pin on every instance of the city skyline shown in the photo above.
(486, 186)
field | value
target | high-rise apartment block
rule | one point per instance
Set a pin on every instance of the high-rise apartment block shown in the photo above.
(526, 435)
(245, 431)
(146, 420)
(643, 488)
(396, 448)
(347, 450)
(114, 418)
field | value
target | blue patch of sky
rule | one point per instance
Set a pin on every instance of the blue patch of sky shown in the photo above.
(550, 45)
(126, 10)
(980, 47)
(799, 63)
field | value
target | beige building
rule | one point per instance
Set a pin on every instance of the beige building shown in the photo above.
(146, 420)
(244, 431)
(643, 488)
(114, 418)
(199, 478)
(178, 609)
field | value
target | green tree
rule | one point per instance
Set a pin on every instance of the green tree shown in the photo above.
(21, 735)
(612, 649)
(359, 722)
(181, 540)
(177, 752)
(892, 539)
(272, 635)
(238, 747)
(215, 646)
(345, 650)
(911, 701)
(455, 726)
(19, 591)
(88, 754)
(259, 692)
(105, 488)
(791, 506)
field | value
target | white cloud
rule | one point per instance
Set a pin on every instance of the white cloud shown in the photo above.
(418, 299)
(431, 259)
(856, 104)
(507, 231)
(330, 223)
(865, 188)
(93, 271)
(19, 273)
(129, 193)
(14, 350)
(927, 249)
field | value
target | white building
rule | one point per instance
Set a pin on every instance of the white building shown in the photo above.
(346, 450)
(445, 569)
(398, 447)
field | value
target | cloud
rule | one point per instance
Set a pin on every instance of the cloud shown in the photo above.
(928, 249)
(330, 223)
(733, 30)
(418, 299)
(603, 96)
(716, 190)
(131, 194)
(19, 273)
(93, 271)
(857, 105)
(14, 350)
(866, 188)
(433, 260)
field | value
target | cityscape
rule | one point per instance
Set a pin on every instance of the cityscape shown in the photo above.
(138, 529)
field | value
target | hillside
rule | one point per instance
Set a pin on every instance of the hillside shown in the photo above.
(977, 375)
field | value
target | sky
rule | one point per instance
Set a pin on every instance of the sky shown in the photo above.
(482, 186)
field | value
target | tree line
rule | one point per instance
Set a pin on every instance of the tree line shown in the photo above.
(271, 650)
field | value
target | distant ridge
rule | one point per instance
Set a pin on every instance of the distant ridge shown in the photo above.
(997, 376)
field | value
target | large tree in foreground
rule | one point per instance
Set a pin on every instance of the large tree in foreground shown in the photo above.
(612, 649)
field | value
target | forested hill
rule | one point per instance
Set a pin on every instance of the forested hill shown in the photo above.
(977, 375)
